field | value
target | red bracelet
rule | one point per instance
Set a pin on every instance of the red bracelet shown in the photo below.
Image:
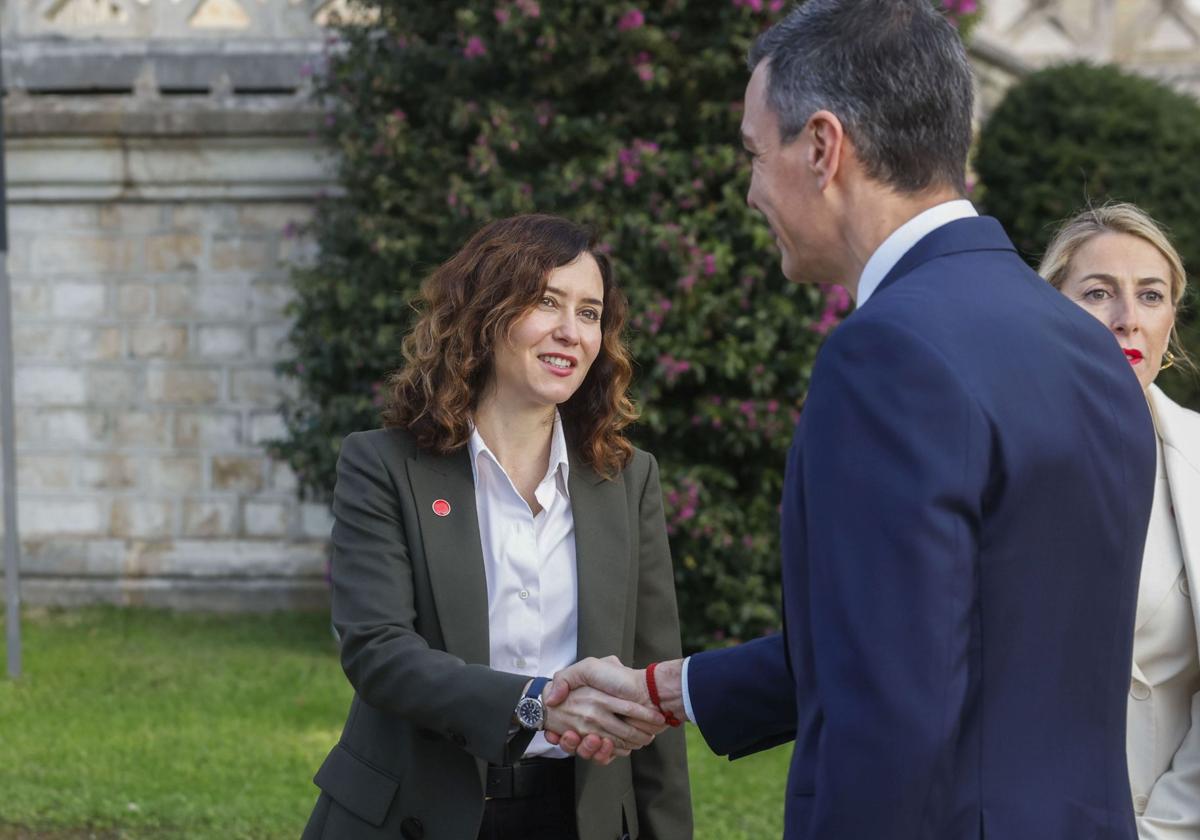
(652, 688)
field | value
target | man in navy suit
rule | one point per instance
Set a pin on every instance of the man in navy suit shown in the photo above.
(967, 493)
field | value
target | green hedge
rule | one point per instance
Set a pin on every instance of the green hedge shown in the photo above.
(614, 115)
(1078, 133)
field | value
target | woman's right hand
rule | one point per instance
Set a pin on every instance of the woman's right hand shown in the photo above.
(587, 711)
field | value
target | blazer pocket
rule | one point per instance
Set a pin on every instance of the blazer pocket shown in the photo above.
(361, 788)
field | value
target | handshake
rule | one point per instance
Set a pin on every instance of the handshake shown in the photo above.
(597, 709)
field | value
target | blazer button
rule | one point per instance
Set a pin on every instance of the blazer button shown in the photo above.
(1139, 804)
(1139, 690)
(411, 828)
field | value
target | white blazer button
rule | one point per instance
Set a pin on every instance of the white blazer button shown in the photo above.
(1139, 690)
(1139, 804)
(523, 594)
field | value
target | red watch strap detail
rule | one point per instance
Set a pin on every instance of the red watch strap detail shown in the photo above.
(652, 689)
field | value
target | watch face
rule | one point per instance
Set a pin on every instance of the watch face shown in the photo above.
(529, 712)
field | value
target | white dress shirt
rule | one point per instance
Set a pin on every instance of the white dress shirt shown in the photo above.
(882, 261)
(529, 562)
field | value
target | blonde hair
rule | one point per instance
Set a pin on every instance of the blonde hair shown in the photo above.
(1116, 217)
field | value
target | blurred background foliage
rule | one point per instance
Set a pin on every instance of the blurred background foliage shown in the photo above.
(621, 116)
(1080, 134)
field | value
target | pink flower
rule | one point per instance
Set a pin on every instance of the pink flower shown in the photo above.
(776, 5)
(630, 176)
(530, 8)
(645, 72)
(502, 15)
(688, 282)
(710, 264)
(474, 47)
(633, 19)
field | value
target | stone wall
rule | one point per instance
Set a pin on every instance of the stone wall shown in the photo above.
(151, 239)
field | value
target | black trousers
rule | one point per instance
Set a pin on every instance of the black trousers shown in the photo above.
(549, 815)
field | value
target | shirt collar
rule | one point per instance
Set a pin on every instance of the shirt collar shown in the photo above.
(559, 461)
(904, 237)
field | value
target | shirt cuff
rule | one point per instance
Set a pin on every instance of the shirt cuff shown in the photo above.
(687, 697)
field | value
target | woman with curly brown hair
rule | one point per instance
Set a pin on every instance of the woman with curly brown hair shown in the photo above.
(498, 529)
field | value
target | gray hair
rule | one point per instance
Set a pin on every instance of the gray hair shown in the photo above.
(893, 71)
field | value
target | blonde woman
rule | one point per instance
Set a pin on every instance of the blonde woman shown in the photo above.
(1118, 264)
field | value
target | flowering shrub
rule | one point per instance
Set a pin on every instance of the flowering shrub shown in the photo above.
(1078, 133)
(620, 114)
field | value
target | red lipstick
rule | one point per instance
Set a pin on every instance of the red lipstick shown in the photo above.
(1134, 356)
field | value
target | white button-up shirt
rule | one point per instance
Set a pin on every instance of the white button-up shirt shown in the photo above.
(529, 562)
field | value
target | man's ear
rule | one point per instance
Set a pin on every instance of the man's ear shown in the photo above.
(827, 139)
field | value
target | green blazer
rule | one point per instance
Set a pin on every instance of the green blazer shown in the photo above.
(410, 604)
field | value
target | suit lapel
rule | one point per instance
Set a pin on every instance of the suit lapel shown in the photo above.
(1180, 432)
(453, 551)
(602, 557)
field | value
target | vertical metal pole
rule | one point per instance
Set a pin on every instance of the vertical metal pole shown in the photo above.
(8, 446)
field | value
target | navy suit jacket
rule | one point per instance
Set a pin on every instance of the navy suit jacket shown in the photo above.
(964, 510)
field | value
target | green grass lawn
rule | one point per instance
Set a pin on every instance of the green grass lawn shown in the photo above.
(147, 724)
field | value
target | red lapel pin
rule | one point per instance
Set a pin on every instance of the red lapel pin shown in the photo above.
(441, 507)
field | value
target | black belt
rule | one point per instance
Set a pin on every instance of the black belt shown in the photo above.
(530, 777)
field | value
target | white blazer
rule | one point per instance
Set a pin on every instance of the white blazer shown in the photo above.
(1173, 809)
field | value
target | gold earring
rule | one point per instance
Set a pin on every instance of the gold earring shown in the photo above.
(1168, 360)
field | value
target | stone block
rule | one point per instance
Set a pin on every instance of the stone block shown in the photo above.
(282, 478)
(62, 427)
(78, 300)
(183, 386)
(257, 386)
(134, 300)
(266, 426)
(83, 255)
(39, 218)
(269, 217)
(265, 518)
(316, 520)
(175, 299)
(39, 341)
(48, 385)
(107, 472)
(162, 341)
(61, 557)
(209, 517)
(208, 429)
(99, 344)
(239, 254)
(271, 340)
(300, 251)
(131, 218)
(113, 386)
(268, 298)
(30, 299)
(243, 474)
(49, 342)
(142, 428)
(141, 519)
(222, 301)
(44, 472)
(174, 252)
(222, 342)
(40, 516)
(242, 559)
(177, 475)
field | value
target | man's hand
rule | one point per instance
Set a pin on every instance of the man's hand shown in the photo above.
(612, 678)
